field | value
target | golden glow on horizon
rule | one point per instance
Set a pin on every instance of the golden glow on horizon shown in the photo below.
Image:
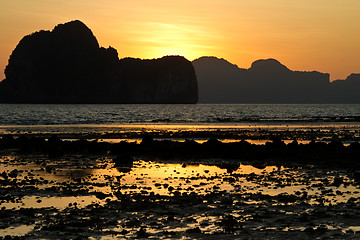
(163, 39)
(306, 35)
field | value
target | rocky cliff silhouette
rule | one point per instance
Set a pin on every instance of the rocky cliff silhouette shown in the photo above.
(268, 81)
(346, 91)
(67, 65)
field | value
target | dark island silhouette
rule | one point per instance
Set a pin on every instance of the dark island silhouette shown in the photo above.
(268, 81)
(67, 65)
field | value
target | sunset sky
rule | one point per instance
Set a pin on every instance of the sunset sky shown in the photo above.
(304, 35)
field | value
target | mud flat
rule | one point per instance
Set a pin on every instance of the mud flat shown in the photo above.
(51, 188)
(301, 131)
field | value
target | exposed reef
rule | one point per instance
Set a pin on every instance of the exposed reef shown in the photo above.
(269, 81)
(275, 152)
(67, 65)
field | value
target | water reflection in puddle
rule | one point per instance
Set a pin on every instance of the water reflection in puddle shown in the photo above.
(170, 178)
(162, 178)
(17, 231)
(49, 202)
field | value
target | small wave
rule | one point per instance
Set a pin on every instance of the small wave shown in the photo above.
(24, 114)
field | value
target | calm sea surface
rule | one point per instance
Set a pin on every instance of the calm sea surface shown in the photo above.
(48, 114)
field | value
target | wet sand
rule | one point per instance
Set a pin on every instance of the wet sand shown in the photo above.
(55, 188)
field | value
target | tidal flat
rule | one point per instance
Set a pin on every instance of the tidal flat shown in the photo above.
(55, 188)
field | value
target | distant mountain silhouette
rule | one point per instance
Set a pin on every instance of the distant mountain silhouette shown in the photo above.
(268, 81)
(346, 91)
(67, 65)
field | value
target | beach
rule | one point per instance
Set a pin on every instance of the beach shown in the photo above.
(180, 181)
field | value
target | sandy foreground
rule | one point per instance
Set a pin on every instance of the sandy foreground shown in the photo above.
(163, 185)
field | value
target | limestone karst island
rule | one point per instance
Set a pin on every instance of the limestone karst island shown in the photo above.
(66, 65)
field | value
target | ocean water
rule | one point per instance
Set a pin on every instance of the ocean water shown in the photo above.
(53, 114)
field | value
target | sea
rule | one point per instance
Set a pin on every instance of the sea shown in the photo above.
(178, 115)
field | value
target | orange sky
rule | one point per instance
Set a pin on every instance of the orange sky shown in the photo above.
(321, 35)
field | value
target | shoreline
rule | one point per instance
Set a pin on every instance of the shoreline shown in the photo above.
(324, 132)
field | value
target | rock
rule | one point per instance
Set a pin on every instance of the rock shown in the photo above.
(123, 160)
(67, 65)
(147, 139)
(194, 230)
(213, 141)
(13, 174)
(142, 233)
(229, 224)
(49, 169)
(356, 176)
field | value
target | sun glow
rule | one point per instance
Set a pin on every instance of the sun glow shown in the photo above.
(304, 35)
(160, 39)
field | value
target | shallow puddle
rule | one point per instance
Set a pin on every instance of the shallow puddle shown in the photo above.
(17, 231)
(50, 202)
(100, 176)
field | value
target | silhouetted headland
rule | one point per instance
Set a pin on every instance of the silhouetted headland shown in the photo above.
(67, 65)
(269, 81)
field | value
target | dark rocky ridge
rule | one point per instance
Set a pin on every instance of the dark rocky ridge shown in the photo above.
(66, 65)
(268, 81)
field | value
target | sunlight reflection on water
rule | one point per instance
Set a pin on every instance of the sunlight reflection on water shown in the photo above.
(163, 178)
(17, 231)
(51, 201)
